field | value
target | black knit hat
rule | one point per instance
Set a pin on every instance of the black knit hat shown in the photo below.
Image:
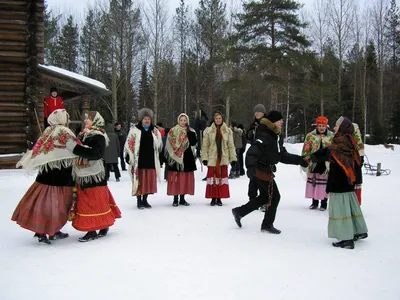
(53, 89)
(274, 116)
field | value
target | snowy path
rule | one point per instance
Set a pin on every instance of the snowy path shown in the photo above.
(197, 252)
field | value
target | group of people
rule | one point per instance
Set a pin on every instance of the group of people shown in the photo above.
(72, 178)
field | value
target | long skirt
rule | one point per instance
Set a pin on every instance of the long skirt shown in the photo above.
(95, 209)
(147, 182)
(217, 183)
(357, 189)
(345, 216)
(180, 183)
(316, 186)
(44, 208)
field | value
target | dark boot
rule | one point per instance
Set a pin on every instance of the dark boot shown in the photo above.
(103, 232)
(219, 202)
(91, 235)
(344, 244)
(42, 238)
(175, 203)
(204, 179)
(237, 217)
(213, 200)
(360, 236)
(139, 202)
(270, 229)
(182, 201)
(324, 204)
(59, 236)
(314, 204)
(145, 203)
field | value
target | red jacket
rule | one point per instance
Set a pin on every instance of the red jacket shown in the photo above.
(51, 104)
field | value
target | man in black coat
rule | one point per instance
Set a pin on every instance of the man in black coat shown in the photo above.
(261, 158)
(122, 138)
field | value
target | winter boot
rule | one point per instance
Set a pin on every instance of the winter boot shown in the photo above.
(182, 201)
(263, 208)
(213, 201)
(91, 235)
(175, 203)
(360, 236)
(204, 179)
(59, 236)
(270, 229)
(344, 244)
(117, 180)
(219, 202)
(145, 203)
(103, 232)
(237, 217)
(314, 204)
(324, 204)
(139, 202)
(42, 238)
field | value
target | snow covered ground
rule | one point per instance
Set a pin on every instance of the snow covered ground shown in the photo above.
(197, 252)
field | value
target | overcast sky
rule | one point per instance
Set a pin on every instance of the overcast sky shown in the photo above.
(78, 7)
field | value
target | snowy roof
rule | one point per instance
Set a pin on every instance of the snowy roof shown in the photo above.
(76, 77)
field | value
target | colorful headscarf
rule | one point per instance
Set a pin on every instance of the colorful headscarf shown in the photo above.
(344, 148)
(50, 152)
(97, 127)
(177, 143)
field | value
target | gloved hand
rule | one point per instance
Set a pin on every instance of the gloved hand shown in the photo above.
(304, 162)
(205, 162)
(70, 145)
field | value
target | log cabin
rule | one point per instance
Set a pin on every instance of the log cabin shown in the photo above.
(25, 80)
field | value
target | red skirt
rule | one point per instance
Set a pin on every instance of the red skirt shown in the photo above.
(147, 182)
(95, 209)
(357, 189)
(217, 187)
(180, 183)
(44, 208)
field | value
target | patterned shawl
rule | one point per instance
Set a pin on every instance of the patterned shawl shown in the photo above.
(344, 149)
(50, 152)
(88, 171)
(177, 143)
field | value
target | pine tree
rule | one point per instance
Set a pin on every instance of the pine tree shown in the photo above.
(393, 34)
(144, 88)
(88, 43)
(269, 31)
(51, 30)
(68, 42)
(212, 25)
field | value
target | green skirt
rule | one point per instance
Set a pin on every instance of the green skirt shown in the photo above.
(345, 216)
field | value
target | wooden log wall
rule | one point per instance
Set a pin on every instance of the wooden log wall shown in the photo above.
(21, 50)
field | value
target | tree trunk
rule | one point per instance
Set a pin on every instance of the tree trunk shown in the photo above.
(287, 107)
(114, 90)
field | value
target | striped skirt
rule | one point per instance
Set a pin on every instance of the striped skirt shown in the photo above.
(217, 186)
(147, 182)
(44, 209)
(316, 186)
(95, 209)
(180, 183)
(345, 216)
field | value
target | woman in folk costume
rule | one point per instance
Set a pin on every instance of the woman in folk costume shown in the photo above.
(358, 183)
(181, 160)
(217, 152)
(95, 206)
(346, 221)
(143, 149)
(45, 206)
(317, 174)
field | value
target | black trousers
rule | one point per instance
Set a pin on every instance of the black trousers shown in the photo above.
(241, 161)
(253, 188)
(255, 203)
(115, 168)
(121, 157)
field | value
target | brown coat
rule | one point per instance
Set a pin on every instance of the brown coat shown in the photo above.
(209, 148)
